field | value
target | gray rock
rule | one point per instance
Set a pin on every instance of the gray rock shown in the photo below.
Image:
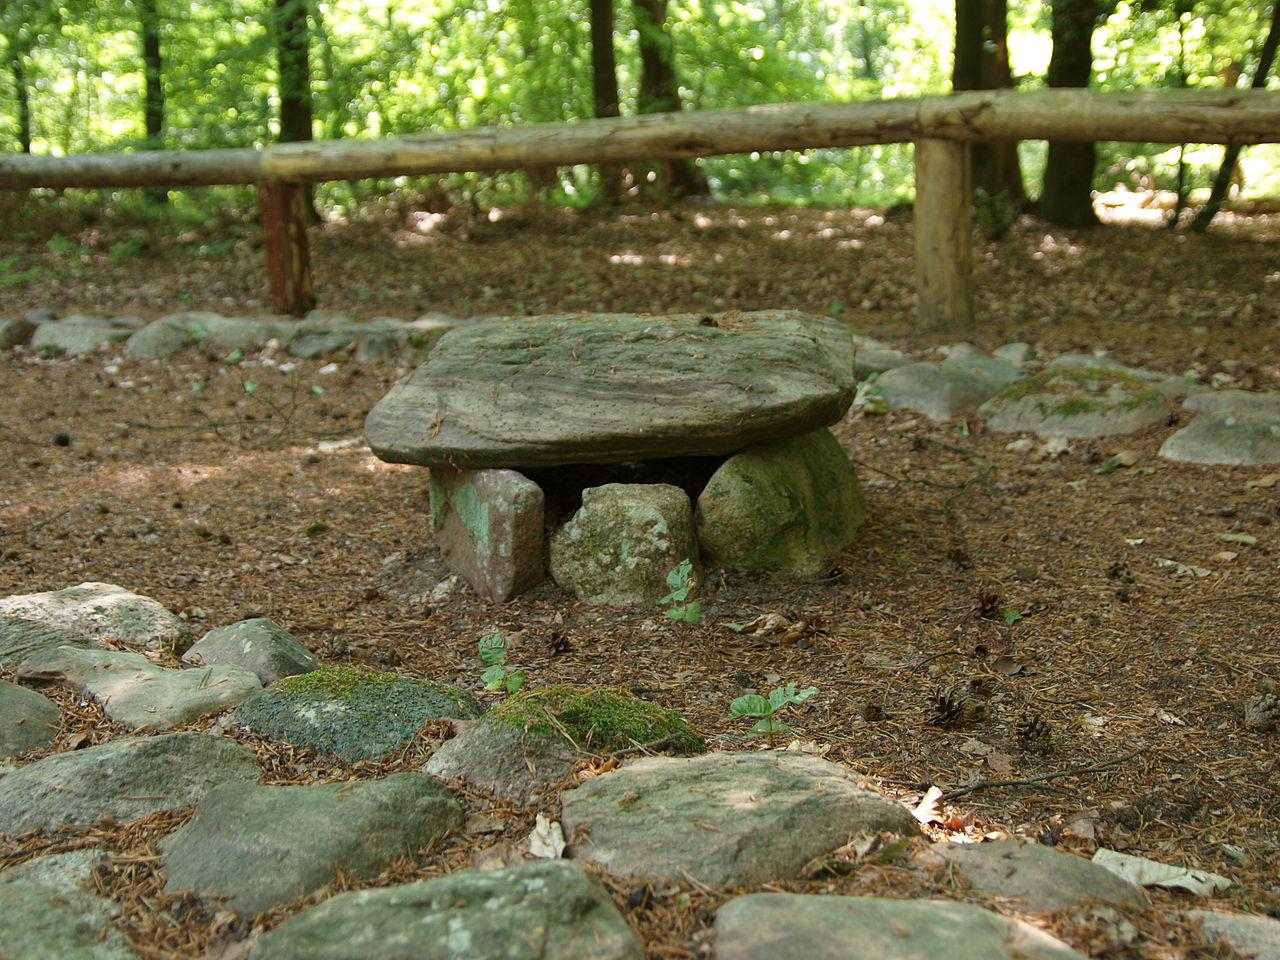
(46, 915)
(1171, 387)
(136, 691)
(959, 351)
(1039, 878)
(351, 713)
(307, 344)
(21, 638)
(106, 323)
(724, 818)
(548, 910)
(103, 610)
(942, 390)
(259, 846)
(513, 763)
(239, 333)
(545, 391)
(1257, 937)
(77, 338)
(783, 507)
(767, 926)
(1076, 402)
(123, 779)
(377, 347)
(621, 544)
(489, 526)
(872, 356)
(1018, 353)
(28, 721)
(1233, 401)
(40, 315)
(161, 338)
(1226, 438)
(16, 331)
(258, 644)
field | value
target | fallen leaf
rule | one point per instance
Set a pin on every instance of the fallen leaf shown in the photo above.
(926, 811)
(1245, 538)
(1001, 763)
(1152, 873)
(1007, 666)
(546, 841)
(1164, 716)
(501, 854)
(1265, 481)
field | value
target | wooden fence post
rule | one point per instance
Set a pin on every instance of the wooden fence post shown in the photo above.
(282, 216)
(944, 244)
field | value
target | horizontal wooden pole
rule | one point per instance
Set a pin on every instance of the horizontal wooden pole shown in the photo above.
(1153, 116)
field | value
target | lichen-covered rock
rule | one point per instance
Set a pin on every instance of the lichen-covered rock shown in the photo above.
(620, 546)
(103, 610)
(782, 507)
(1076, 402)
(258, 644)
(21, 638)
(942, 390)
(28, 721)
(1225, 437)
(544, 391)
(352, 713)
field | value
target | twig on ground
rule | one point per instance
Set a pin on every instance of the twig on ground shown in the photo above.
(36, 525)
(1072, 772)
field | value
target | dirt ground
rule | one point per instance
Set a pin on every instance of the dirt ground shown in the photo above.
(1005, 614)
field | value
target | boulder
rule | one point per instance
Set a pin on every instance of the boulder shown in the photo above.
(548, 910)
(1171, 387)
(15, 332)
(489, 527)
(545, 391)
(782, 507)
(123, 779)
(872, 356)
(21, 638)
(77, 335)
(1252, 936)
(1076, 402)
(28, 721)
(103, 610)
(943, 389)
(260, 846)
(1227, 438)
(160, 338)
(137, 692)
(723, 818)
(621, 544)
(239, 333)
(258, 644)
(766, 926)
(1233, 401)
(351, 713)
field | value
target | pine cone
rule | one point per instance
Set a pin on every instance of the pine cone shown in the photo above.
(949, 707)
(1262, 713)
(1032, 731)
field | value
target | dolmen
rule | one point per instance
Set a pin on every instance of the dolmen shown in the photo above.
(610, 448)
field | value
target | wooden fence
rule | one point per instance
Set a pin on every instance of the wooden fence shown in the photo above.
(939, 127)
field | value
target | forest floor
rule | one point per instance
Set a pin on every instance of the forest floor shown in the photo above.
(1033, 587)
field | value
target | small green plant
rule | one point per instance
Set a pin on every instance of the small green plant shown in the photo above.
(682, 608)
(768, 708)
(1011, 616)
(497, 675)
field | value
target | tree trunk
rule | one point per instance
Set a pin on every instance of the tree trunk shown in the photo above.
(153, 93)
(660, 91)
(1066, 197)
(23, 95)
(982, 63)
(293, 37)
(1266, 59)
(604, 85)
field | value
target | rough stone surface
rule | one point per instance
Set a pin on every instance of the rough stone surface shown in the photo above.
(942, 390)
(1226, 438)
(308, 344)
(239, 333)
(352, 714)
(872, 356)
(782, 507)
(1076, 402)
(260, 846)
(46, 915)
(548, 910)
(741, 818)
(77, 339)
(28, 721)
(160, 338)
(258, 644)
(123, 779)
(620, 546)
(1039, 878)
(103, 610)
(1018, 353)
(1258, 937)
(515, 764)
(1171, 387)
(15, 331)
(489, 526)
(768, 926)
(543, 391)
(136, 691)
(1233, 401)
(21, 638)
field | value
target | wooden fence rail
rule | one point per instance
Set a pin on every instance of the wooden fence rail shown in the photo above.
(938, 125)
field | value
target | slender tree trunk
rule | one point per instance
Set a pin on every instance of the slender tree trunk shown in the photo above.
(23, 95)
(335, 106)
(604, 83)
(153, 92)
(660, 90)
(982, 63)
(1266, 59)
(293, 37)
(1066, 198)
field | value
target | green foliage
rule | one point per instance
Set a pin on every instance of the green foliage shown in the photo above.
(768, 708)
(681, 583)
(498, 676)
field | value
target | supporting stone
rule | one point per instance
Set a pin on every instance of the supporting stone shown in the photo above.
(282, 216)
(944, 246)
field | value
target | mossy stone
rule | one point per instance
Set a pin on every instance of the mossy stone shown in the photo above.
(1076, 402)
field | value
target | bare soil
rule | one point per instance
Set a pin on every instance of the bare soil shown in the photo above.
(1065, 651)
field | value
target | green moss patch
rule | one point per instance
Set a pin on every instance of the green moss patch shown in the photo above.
(597, 718)
(1072, 391)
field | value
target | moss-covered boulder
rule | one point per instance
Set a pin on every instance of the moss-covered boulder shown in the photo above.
(352, 713)
(1076, 402)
